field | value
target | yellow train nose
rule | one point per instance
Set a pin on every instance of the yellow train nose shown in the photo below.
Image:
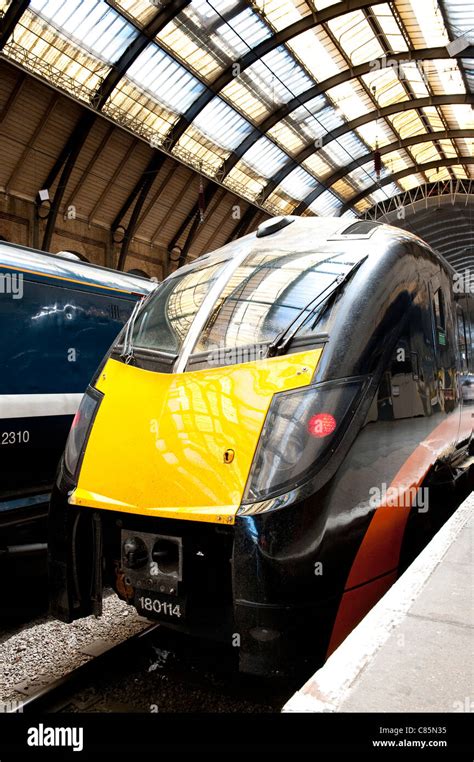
(181, 445)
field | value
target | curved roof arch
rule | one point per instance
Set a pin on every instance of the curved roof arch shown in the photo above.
(240, 89)
(458, 160)
(387, 149)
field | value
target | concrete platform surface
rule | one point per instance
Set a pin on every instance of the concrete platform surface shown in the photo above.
(414, 651)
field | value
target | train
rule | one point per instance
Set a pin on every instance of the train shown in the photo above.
(262, 451)
(58, 317)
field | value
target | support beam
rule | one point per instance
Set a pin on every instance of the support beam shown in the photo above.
(9, 21)
(141, 191)
(266, 46)
(85, 174)
(396, 146)
(209, 193)
(457, 161)
(75, 144)
(244, 223)
(384, 62)
(371, 116)
(193, 213)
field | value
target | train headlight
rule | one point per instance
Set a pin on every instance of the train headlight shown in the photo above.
(79, 433)
(301, 431)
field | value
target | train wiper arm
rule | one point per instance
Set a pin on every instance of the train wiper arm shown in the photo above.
(280, 343)
(127, 352)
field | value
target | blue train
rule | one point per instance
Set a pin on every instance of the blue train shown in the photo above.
(58, 317)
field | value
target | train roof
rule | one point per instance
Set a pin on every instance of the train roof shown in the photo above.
(50, 265)
(324, 234)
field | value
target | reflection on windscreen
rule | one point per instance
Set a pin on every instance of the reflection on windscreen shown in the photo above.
(166, 319)
(260, 299)
(266, 293)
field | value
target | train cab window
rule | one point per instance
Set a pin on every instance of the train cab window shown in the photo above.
(265, 295)
(439, 314)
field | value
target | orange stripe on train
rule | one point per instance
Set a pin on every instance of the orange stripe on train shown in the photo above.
(379, 552)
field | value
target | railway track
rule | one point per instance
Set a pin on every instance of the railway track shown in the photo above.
(159, 670)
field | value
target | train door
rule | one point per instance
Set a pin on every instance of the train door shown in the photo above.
(445, 343)
(466, 381)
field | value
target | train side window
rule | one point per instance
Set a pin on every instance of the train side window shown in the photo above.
(439, 317)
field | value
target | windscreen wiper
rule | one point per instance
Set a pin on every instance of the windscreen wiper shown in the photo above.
(127, 352)
(280, 343)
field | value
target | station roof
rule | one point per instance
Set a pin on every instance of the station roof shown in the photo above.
(282, 102)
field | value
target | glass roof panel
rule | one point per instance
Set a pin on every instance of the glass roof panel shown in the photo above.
(460, 173)
(407, 123)
(349, 214)
(93, 24)
(320, 4)
(222, 124)
(40, 47)
(278, 76)
(354, 34)
(433, 116)
(280, 201)
(243, 180)
(412, 181)
(265, 157)
(395, 161)
(386, 192)
(343, 150)
(281, 13)
(326, 205)
(188, 47)
(465, 146)
(423, 22)
(350, 99)
(243, 32)
(318, 53)
(316, 118)
(133, 108)
(459, 15)
(363, 205)
(165, 79)
(242, 95)
(459, 116)
(425, 152)
(287, 137)
(439, 173)
(318, 166)
(445, 76)
(344, 189)
(298, 184)
(389, 26)
(388, 88)
(200, 151)
(141, 11)
(468, 67)
(376, 132)
(448, 147)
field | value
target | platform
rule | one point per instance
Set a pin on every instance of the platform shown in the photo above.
(413, 652)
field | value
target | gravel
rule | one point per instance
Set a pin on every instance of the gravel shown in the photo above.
(45, 649)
